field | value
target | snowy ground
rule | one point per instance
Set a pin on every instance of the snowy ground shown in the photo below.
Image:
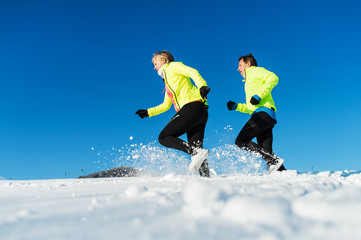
(283, 205)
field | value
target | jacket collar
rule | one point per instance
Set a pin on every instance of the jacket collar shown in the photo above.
(160, 71)
(246, 71)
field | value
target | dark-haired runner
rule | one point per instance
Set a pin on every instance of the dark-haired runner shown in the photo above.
(259, 83)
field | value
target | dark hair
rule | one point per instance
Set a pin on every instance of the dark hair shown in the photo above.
(248, 58)
(167, 56)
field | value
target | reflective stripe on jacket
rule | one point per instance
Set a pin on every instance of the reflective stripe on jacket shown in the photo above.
(179, 88)
(258, 81)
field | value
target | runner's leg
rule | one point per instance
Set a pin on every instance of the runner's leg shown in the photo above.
(185, 120)
(255, 126)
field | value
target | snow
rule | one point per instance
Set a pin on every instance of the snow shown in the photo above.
(282, 205)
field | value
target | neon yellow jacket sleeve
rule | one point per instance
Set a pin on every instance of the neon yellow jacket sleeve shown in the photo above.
(180, 69)
(271, 80)
(167, 103)
(242, 107)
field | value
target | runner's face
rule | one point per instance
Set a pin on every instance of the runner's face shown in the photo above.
(242, 66)
(158, 63)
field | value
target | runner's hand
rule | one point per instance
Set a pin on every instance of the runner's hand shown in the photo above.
(142, 113)
(231, 105)
(204, 91)
(255, 100)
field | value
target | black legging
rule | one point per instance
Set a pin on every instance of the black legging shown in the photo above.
(191, 119)
(260, 125)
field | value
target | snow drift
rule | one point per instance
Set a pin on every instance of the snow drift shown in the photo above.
(283, 205)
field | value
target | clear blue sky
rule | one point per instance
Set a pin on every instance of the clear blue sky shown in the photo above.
(73, 73)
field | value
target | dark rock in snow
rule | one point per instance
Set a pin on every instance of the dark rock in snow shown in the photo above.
(115, 172)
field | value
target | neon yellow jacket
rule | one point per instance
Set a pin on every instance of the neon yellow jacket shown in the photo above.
(258, 81)
(179, 88)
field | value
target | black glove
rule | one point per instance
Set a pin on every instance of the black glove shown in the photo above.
(204, 91)
(231, 105)
(255, 100)
(142, 113)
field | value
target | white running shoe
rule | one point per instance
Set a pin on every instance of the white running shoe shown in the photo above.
(198, 159)
(277, 163)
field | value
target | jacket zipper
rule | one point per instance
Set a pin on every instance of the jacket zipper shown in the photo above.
(174, 95)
